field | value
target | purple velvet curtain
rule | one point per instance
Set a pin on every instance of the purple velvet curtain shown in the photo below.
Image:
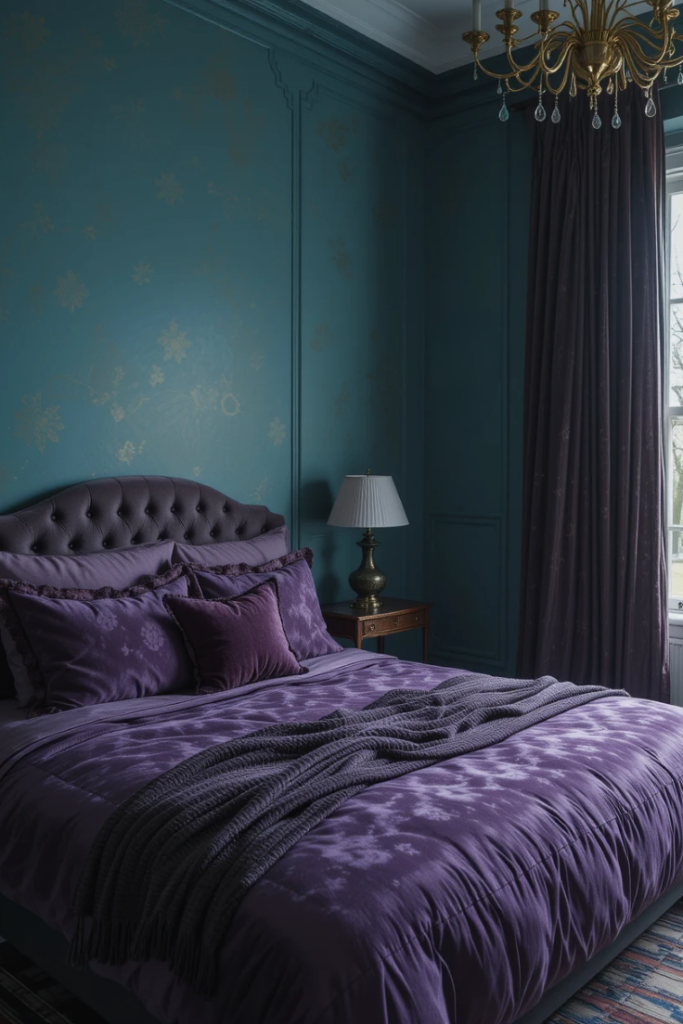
(594, 593)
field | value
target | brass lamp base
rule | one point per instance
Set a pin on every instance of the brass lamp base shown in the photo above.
(367, 580)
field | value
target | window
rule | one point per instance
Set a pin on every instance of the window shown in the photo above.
(674, 174)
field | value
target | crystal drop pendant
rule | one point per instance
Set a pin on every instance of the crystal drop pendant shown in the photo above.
(680, 78)
(499, 90)
(616, 120)
(539, 112)
(650, 108)
(475, 76)
(504, 113)
(596, 122)
(556, 116)
(572, 87)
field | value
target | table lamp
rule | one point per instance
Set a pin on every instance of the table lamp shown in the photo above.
(366, 502)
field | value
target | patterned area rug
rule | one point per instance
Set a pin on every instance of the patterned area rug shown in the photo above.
(642, 986)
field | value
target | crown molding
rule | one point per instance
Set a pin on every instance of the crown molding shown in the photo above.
(436, 46)
(312, 33)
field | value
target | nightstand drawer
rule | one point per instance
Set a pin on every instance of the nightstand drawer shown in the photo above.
(394, 623)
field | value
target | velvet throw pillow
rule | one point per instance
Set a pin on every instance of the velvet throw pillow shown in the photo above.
(263, 548)
(118, 568)
(234, 641)
(82, 647)
(301, 614)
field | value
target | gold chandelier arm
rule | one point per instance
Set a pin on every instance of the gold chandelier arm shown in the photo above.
(506, 76)
(632, 29)
(579, 6)
(556, 91)
(627, 37)
(673, 63)
(522, 69)
(612, 8)
(567, 46)
(640, 80)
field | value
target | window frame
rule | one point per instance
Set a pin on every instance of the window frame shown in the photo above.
(674, 185)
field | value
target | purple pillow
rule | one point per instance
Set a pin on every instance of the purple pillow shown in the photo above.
(266, 546)
(119, 569)
(234, 641)
(301, 614)
(82, 647)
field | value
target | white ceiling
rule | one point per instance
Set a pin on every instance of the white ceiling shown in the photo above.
(427, 32)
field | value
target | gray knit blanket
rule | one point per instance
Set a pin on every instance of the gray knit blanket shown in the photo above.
(169, 868)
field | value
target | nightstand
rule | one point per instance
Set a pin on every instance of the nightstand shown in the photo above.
(394, 616)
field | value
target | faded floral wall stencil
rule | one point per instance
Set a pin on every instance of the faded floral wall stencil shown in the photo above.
(175, 343)
(277, 431)
(170, 189)
(322, 338)
(341, 258)
(36, 425)
(335, 132)
(26, 31)
(70, 291)
(40, 223)
(342, 400)
(140, 21)
(142, 272)
(258, 495)
(345, 170)
(128, 451)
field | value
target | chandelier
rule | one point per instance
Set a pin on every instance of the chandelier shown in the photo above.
(602, 43)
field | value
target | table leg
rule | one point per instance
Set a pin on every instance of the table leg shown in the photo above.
(425, 642)
(359, 638)
(380, 645)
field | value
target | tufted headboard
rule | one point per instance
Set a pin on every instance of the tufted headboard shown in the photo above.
(118, 511)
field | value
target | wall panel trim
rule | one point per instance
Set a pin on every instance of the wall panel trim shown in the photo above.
(493, 658)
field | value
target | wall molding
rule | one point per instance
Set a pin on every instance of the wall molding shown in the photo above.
(491, 658)
(311, 33)
(279, 78)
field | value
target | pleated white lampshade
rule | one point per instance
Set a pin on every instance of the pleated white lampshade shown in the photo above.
(368, 502)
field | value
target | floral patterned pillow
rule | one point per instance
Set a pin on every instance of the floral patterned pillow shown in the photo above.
(82, 647)
(301, 615)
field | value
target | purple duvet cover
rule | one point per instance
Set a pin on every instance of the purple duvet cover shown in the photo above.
(458, 893)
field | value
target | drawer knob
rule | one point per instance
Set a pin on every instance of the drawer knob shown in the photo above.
(372, 627)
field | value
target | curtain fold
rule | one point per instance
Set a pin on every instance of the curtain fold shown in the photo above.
(594, 593)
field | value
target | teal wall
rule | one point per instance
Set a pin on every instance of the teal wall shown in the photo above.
(208, 240)
(478, 182)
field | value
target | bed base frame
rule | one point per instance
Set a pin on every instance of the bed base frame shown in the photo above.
(48, 949)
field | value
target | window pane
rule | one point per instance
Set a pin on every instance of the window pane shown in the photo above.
(676, 339)
(676, 569)
(677, 245)
(676, 457)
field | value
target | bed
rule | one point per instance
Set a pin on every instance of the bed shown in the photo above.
(483, 889)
